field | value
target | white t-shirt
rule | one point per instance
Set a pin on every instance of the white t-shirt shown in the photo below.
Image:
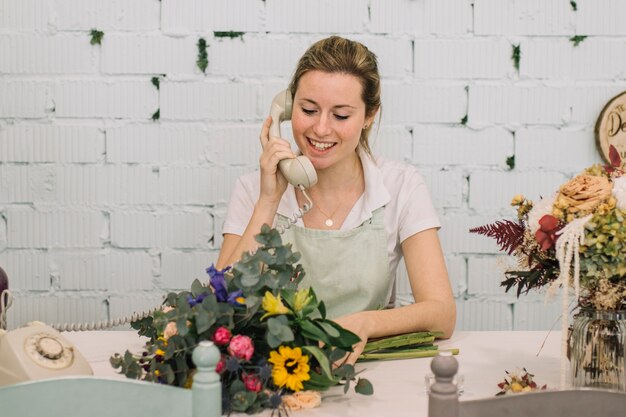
(395, 185)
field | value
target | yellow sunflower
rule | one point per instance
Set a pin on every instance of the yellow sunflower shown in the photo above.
(291, 368)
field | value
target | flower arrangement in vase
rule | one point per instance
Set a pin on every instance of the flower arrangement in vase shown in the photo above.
(574, 238)
(278, 348)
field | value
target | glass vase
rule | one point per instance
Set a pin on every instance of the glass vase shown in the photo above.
(598, 349)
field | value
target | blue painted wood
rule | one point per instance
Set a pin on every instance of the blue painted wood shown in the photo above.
(97, 397)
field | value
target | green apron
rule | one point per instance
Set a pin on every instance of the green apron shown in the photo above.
(348, 269)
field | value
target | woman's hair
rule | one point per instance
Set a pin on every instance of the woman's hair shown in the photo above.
(337, 54)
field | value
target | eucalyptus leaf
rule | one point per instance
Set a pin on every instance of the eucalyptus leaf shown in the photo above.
(197, 288)
(204, 320)
(273, 341)
(181, 325)
(364, 387)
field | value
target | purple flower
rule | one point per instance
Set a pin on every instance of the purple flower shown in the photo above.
(236, 298)
(218, 282)
(192, 301)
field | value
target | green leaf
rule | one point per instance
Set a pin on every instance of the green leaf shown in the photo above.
(364, 387)
(330, 330)
(96, 37)
(345, 371)
(204, 320)
(322, 359)
(279, 328)
(181, 325)
(197, 288)
(322, 309)
(346, 340)
(336, 354)
(318, 382)
(311, 331)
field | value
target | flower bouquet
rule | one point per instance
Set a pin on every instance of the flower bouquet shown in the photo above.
(575, 237)
(278, 348)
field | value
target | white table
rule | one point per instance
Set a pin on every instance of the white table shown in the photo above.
(398, 385)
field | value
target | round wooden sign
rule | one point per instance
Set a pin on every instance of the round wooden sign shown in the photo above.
(611, 127)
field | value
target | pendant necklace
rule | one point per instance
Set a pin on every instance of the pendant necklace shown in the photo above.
(329, 219)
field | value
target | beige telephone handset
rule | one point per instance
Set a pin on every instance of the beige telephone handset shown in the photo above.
(38, 351)
(298, 171)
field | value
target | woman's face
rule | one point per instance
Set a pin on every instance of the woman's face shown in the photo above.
(328, 116)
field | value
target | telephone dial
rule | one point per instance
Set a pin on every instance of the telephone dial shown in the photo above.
(37, 351)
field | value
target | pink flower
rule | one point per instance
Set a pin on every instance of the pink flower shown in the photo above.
(252, 382)
(221, 365)
(241, 347)
(221, 336)
(170, 330)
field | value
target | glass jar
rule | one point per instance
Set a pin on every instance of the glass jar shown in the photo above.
(598, 349)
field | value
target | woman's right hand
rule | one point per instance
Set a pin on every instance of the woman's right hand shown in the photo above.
(273, 183)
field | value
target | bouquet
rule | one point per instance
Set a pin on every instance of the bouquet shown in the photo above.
(575, 237)
(278, 348)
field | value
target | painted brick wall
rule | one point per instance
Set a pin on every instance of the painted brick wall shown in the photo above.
(103, 209)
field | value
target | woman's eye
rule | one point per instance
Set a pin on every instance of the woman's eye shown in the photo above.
(340, 117)
(308, 111)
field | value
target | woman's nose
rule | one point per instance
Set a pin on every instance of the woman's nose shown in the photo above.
(322, 125)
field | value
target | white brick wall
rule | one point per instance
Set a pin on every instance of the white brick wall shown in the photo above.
(102, 209)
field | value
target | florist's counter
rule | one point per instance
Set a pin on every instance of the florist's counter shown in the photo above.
(399, 388)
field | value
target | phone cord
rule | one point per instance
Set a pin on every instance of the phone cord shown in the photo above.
(299, 214)
(6, 301)
(104, 324)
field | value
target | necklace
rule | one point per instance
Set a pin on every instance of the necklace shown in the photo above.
(329, 219)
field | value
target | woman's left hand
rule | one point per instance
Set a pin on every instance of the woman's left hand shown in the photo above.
(358, 324)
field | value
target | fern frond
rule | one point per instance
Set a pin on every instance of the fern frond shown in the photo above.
(508, 234)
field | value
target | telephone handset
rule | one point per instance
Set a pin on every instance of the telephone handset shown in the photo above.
(37, 351)
(298, 171)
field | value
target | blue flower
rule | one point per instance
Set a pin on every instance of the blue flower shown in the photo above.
(218, 282)
(236, 298)
(197, 300)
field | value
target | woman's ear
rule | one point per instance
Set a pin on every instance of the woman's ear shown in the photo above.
(370, 119)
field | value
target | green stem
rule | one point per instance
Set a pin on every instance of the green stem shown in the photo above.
(418, 353)
(407, 339)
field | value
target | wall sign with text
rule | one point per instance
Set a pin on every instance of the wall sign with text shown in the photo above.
(611, 127)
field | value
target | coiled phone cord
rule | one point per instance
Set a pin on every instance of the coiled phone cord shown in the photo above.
(104, 324)
(6, 301)
(299, 214)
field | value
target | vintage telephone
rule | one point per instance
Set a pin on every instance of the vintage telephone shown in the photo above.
(39, 351)
(298, 171)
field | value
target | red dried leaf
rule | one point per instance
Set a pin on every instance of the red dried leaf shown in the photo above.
(616, 160)
(508, 234)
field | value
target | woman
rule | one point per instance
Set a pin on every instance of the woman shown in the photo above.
(367, 212)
